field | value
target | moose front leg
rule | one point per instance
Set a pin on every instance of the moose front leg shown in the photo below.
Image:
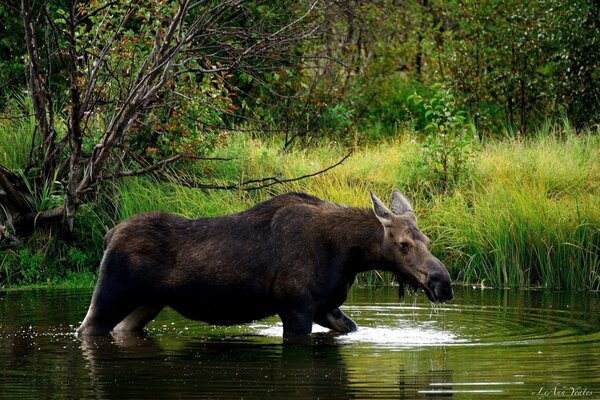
(297, 315)
(336, 320)
(296, 322)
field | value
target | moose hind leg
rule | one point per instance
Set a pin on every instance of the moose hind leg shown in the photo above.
(336, 320)
(110, 304)
(103, 316)
(138, 319)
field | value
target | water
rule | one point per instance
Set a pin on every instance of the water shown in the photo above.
(484, 344)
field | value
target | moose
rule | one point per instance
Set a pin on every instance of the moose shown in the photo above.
(293, 255)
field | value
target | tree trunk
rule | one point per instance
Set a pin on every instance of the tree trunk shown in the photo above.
(19, 213)
(39, 101)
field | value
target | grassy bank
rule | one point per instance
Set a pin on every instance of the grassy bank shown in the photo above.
(524, 214)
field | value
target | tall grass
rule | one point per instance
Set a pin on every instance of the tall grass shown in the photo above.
(44, 257)
(16, 133)
(527, 215)
(531, 216)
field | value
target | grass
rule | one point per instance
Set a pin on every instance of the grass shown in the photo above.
(15, 136)
(531, 217)
(527, 214)
(72, 280)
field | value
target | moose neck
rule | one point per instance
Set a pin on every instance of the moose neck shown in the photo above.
(360, 237)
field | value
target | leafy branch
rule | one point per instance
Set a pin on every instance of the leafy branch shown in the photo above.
(148, 86)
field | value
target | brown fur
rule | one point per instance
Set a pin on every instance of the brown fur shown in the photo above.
(293, 255)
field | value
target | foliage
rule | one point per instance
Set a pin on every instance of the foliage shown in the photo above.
(448, 146)
(512, 65)
(383, 108)
(45, 259)
(519, 63)
(193, 100)
(147, 88)
(12, 47)
(526, 213)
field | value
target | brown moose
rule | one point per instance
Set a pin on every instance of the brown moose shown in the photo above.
(294, 255)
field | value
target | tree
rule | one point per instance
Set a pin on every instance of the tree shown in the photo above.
(12, 46)
(134, 70)
(518, 63)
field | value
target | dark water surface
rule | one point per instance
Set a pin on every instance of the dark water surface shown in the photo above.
(484, 344)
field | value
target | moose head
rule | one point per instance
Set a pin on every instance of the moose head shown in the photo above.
(405, 249)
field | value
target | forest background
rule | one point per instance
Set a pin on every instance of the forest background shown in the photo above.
(486, 113)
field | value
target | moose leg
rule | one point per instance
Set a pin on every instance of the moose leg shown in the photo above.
(103, 315)
(110, 305)
(336, 320)
(138, 319)
(297, 321)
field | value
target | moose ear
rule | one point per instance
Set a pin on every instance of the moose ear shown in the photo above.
(380, 209)
(400, 203)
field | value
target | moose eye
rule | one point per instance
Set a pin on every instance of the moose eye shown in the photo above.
(404, 246)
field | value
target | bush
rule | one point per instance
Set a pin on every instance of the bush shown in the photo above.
(382, 105)
(449, 141)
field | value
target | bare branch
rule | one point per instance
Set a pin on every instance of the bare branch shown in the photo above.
(151, 168)
(256, 184)
(97, 63)
(160, 165)
(35, 79)
(143, 90)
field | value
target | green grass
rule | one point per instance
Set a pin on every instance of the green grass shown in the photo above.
(527, 214)
(15, 135)
(72, 280)
(531, 216)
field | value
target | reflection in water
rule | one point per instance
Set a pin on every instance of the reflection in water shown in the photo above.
(484, 343)
(223, 369)
(139, 367)
(437, 385)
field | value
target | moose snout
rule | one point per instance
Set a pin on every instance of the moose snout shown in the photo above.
(439, 285)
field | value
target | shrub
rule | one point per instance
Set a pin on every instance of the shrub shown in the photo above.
(449, 140)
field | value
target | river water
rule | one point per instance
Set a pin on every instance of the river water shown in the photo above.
(484, 344)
